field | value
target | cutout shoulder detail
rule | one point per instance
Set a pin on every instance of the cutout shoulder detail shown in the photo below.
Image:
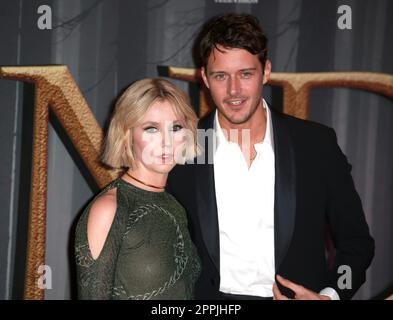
(100, 219)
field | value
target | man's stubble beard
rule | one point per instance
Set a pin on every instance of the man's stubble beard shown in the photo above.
(245, 118)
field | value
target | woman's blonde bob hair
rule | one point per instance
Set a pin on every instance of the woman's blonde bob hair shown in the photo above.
(130, 109)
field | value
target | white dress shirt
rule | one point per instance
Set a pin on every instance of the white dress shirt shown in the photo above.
(245, 205)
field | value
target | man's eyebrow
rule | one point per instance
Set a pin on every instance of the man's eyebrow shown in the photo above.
(241, 70)
(215, 72)
(248, 69)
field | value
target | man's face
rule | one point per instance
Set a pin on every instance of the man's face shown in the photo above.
(235, 79)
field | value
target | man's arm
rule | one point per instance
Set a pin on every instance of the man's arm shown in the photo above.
(349, 229)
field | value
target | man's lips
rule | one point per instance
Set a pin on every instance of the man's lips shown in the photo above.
(235, 102)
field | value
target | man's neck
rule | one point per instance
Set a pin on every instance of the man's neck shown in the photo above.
(256, 126)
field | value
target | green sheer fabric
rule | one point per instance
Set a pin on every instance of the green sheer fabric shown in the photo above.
(148, 253)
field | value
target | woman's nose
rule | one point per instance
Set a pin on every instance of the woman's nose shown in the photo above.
(166, 141)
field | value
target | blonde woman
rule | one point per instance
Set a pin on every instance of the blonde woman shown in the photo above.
(132, 241)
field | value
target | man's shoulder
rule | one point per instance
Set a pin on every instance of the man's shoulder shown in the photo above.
(305, 129)
(294, 124)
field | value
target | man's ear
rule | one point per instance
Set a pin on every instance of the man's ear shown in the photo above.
(266, 73)
(204, 77)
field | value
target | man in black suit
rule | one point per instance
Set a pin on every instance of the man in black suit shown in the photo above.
(260, 196)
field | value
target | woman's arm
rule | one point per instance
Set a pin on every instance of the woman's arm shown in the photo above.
(97, 247)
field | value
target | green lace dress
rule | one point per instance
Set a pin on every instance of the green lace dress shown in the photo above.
(148, 253)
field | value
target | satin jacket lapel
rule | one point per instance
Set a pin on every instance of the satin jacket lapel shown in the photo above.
(206, 197)
(285, 188)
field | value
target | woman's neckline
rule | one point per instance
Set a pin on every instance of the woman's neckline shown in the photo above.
(128, 183)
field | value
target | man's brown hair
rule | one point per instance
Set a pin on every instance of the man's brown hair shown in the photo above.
(232, 30)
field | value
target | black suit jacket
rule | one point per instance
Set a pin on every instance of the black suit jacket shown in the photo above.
(313, 189)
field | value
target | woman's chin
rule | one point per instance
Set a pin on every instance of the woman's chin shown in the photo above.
(162, 167)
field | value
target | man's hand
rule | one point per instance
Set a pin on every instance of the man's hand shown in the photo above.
(301, 293)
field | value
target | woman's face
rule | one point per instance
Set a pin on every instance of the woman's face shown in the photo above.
(158, 137)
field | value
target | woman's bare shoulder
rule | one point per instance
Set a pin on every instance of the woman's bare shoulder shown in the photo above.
(101, 216)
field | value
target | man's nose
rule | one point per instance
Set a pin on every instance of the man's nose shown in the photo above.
(233, 86)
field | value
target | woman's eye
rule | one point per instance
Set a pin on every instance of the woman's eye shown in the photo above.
(151, 129)
(177, 127)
